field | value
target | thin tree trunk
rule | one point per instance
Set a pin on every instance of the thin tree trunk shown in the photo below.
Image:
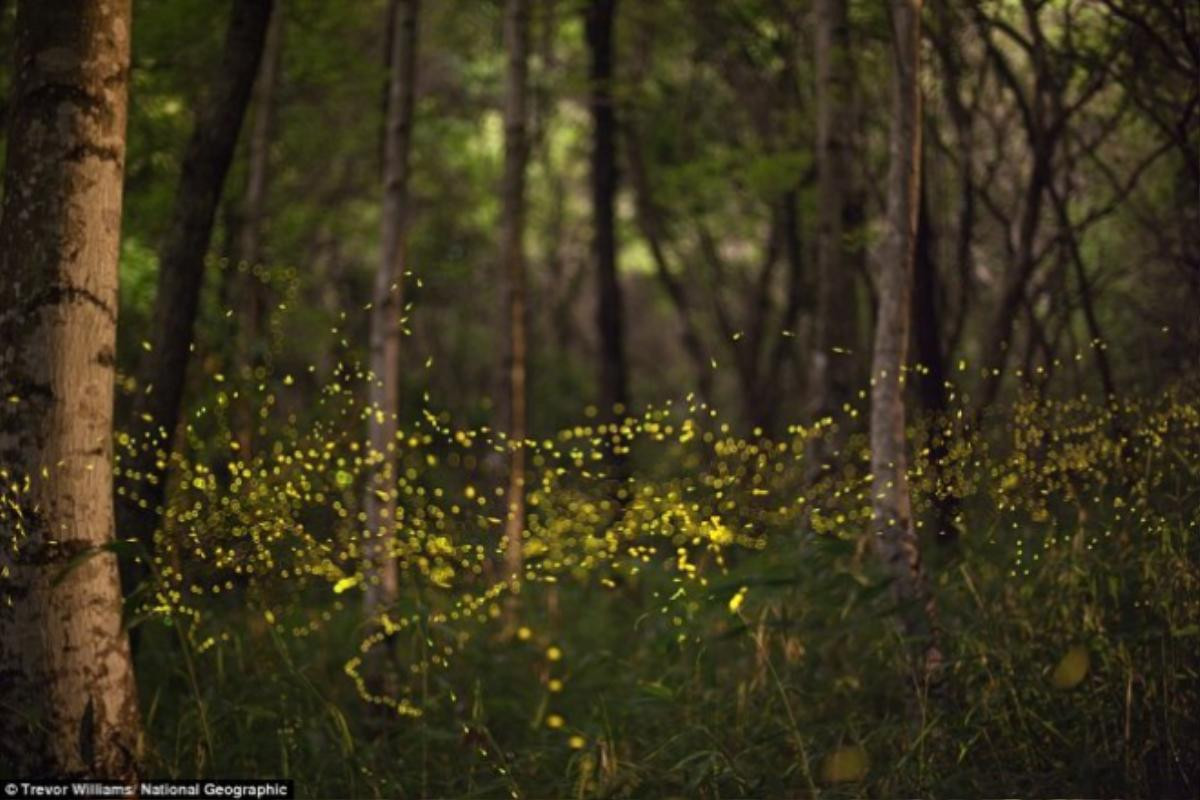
(650, 223)
(891, 503)
(516, 157)
(1099, 351)
(773, 349)
(931, 381)
(388, 307)
(614, 380)
(1013, 294)
(832, 379)
(1043, 130)
(66, 676)
(161, 374)
(255, 298)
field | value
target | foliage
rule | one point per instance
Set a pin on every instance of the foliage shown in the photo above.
(713, 625)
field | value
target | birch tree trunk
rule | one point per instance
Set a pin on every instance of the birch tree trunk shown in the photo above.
(516, 156)
(382, 583)
(893, 522)
(66, 677)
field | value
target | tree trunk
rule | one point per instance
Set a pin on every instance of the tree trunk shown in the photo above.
(388, 306)
(892, 510)
(255, 297)
(1017, 280)
(1086, 301)
(650, 222)
(832, 378)
(516, 156)
(614, 380)
(161, 374)
(66, 676)
(931, 381)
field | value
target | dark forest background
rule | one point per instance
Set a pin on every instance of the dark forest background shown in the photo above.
(675, 398)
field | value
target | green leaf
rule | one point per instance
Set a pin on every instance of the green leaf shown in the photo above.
(122, 548)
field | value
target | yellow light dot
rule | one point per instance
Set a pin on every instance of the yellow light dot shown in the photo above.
(555, 685)
(554, 721)
(735, 602)
(576, 742)
(524, 633)
(554, 654)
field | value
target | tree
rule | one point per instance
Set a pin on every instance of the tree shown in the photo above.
(163, 369)
(249, 248)
(832, 378)
(614, 373)
(927, 336)
(387, 307)
(516, 156)
(891, 504)
(66, 675)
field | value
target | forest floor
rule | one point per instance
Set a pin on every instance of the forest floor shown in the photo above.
(720, 629)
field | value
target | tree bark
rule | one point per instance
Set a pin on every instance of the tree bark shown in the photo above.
(891, 504)
(161, 374)
(832, 378)
(931, 380)
(388, 307)
(66, 676)
(255, 297)
(516, 156)
(614, 375)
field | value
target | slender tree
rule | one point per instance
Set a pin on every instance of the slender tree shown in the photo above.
(891, 504)
(162, 371)
(649, 216)
(66, 677)
(927, 336)
(516, 156)
(255, 296)
(832, 377)
(387, 305)
(1046, 106)
(614, 375)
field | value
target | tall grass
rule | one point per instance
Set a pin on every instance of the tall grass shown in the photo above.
(720, 630)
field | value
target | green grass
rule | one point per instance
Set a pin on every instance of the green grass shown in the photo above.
(1079, 529)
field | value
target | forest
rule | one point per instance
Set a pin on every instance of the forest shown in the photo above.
(600, 398)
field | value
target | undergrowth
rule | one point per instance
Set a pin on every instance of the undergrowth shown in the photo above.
(709, 621)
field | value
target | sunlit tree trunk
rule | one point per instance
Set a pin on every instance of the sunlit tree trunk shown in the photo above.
(614, 377)
(162, 372)
(832, 374)
(388, 307)
(66, 678)
(516, 155)
(891, 504)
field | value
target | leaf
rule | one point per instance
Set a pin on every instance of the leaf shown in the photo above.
(122, 548)
(658, 690)
(1072, 668)
(846, 765)
(341, 726)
